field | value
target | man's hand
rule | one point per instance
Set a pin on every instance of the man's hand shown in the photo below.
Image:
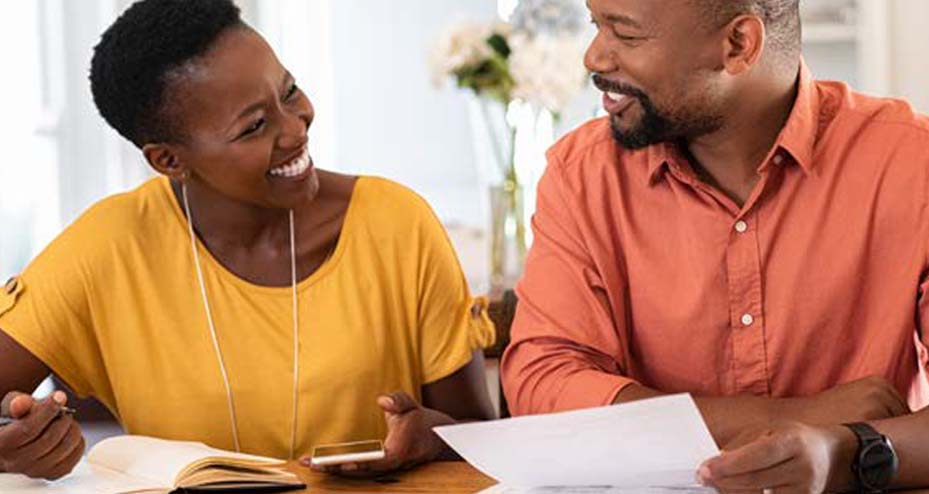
(40, 443)
(871, 398)
(789, 459)
(410, 440)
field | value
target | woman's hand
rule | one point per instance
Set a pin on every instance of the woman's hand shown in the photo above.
(788, 459)
(41, 442)
(410, 440)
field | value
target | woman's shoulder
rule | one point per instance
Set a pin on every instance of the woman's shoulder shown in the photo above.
(126, 215)
(382, 196)
(106, 229)
(125, 211)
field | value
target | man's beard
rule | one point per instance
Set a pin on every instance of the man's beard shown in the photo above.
(654, 127)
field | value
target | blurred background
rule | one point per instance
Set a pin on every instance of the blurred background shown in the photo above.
(365, 65)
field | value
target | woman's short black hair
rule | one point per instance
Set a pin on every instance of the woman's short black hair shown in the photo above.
(136, 55)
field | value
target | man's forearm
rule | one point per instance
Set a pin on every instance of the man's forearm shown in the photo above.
(726, 417)
(910, 437)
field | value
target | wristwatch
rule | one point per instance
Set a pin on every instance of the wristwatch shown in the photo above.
(876, 462)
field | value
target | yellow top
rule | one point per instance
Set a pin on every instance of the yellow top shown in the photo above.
(113, 307)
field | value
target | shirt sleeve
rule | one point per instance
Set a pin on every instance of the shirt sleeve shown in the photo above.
(47, 312)
(566, 349)
(452, 324)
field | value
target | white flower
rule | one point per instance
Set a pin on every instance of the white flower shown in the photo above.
(548, 70)
(538, 17)
(462, 45)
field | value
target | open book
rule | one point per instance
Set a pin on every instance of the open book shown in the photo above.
(138, 464)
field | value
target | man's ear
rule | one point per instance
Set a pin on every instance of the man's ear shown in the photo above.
(744, 44)
(164, 159)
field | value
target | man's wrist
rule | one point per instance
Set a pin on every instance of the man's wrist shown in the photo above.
(844, 451)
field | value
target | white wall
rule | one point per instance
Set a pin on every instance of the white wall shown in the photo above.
(908, 44)
(389, 120)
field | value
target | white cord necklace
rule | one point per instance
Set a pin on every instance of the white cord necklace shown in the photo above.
(209, 320)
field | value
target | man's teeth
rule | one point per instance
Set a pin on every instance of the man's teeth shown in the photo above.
(616, 96)
(294, 168)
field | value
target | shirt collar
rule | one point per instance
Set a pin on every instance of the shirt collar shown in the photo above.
(797, 137)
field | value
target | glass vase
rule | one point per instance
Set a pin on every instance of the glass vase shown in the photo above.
(507, 235)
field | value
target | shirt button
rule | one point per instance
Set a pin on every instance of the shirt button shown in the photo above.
(11, 285)
(741, 226)
(747, 319)
(778, 159)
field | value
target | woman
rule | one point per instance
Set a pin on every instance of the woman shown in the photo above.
(243, 298)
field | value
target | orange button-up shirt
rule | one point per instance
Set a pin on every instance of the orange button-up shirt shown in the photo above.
(640, 272)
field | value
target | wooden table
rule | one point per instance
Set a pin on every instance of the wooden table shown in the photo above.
(452, 477)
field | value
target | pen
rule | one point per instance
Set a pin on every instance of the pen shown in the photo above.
(4, 421)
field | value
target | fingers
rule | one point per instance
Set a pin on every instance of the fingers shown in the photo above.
(16, 404)
(68, 453)
(60, 398)
(59, 458)
(31, 426)
(67, 463)
(764, 453)
(397, 402)
(777, 477)
(51, 439)
(367, 469)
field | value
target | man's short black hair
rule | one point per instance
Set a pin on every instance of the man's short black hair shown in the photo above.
(781, 19)
(136, 55)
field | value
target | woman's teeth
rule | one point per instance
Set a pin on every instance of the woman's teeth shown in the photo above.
(294, 168)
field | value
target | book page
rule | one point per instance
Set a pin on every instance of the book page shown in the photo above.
(158, 459)
(84, 479)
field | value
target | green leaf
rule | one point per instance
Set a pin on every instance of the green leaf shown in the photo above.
(499, 44)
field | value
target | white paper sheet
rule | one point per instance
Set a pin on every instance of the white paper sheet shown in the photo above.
(651, 443)
(502, 489)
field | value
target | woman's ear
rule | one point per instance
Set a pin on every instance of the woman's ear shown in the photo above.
(165, 161)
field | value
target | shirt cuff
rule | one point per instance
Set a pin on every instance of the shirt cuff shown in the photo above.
(591, 388)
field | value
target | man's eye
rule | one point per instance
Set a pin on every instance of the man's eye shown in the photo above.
(255, 127)
(594, 22)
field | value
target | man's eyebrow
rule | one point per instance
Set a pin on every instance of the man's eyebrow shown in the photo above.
(619, 19)
(623, 19)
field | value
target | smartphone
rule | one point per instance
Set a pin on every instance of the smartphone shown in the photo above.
(353, 452)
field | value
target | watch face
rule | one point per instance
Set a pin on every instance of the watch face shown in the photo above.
(877, 464)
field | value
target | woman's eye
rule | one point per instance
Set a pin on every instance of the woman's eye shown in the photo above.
(255, 127)
(292, 91)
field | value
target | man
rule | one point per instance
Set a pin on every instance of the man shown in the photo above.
(735, 230)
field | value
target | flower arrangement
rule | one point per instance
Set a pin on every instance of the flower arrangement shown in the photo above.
(534, 61)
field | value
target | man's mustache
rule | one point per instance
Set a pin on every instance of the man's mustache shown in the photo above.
(608, 86)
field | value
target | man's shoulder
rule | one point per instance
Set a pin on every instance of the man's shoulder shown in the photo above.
(592, 137)
(869, 113)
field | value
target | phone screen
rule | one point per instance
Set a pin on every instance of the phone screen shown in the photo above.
(348, 448)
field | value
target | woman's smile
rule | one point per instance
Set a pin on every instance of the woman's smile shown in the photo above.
(297, 168)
